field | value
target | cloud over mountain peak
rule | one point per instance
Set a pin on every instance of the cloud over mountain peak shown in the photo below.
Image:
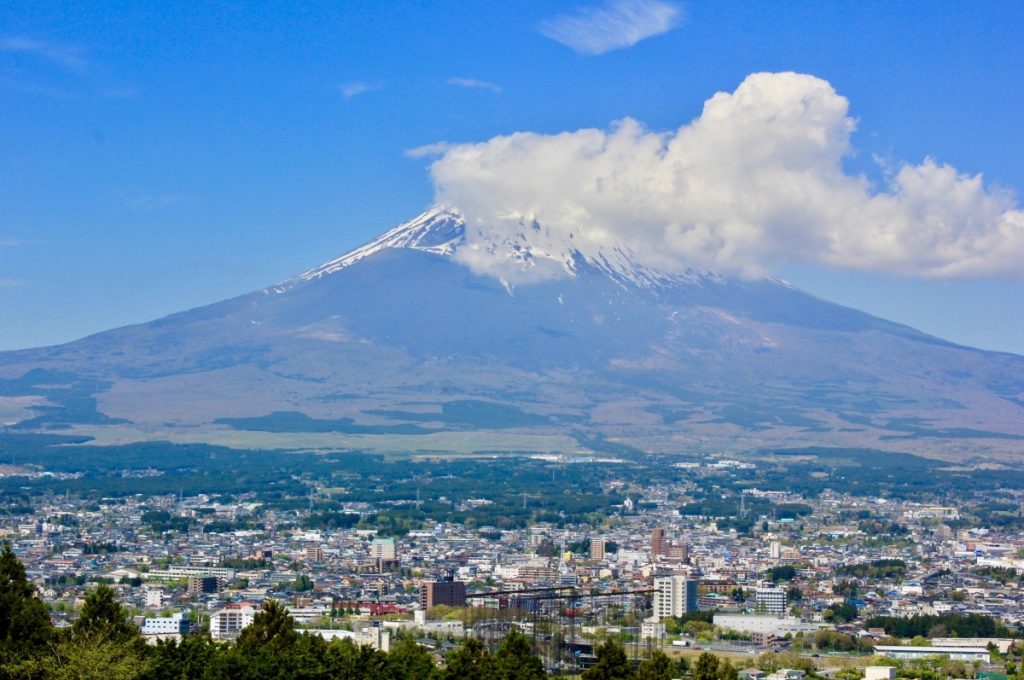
(754, 182)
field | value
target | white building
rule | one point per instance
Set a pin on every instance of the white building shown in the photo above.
(770, 601)
(181, 572)
(1002, 644)
(155, 598)
(776, 626)
(382, 549)
(226, 623)
(374, 636)
(880, 673)
(652, 630)
(307, 615)
(165, 627)
(674, 595)
(951, 653)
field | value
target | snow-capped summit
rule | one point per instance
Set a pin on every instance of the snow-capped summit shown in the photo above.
(519, 254)
(439, 231)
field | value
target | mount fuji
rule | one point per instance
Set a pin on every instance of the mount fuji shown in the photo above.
(399, 345)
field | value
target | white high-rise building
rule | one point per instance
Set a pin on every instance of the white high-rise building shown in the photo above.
(674, 595)
(382, 549)
(155, 598)
(770, 601)
(227, 623)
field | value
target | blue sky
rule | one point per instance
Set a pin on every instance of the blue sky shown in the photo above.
(158, 157)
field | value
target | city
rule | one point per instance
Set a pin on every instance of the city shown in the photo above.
(827, 582)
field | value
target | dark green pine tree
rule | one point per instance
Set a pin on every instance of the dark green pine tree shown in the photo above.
(612, 663)
(271, 627)
(469, 662)
(103, 617)
(515, 660)
(657, 667)
(186, 659)
(25, 626)
(706, 667)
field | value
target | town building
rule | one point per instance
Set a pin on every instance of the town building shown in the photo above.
(674, 595)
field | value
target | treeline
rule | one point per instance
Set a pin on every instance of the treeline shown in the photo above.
(927, 625)
(876, 569)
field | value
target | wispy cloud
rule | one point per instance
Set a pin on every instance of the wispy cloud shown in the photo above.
(12, 283)
(474, 84)
(435, 149)
(358, 87)
(66, 56)
(615, 24)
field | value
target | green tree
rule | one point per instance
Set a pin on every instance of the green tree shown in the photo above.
(25, 627)
(98, 655)
(657, 667)
(726, 671)
(270, 627)
(103, 618)
(172, 660)
(470, 661)
(409, 661)
(612, 663)
(706, 667)
(515, 660)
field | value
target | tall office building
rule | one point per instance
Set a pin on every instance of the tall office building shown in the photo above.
(770, 601)
(658, 542)
(383, 549)
(674, 595)
(450, 593)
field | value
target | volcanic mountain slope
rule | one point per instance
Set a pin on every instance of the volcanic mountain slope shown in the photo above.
(398, 338)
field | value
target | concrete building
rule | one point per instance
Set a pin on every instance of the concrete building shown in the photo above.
(383, 549)
(1002, 644)
(155, 598)
(652, 630)
(767, 626)
(952, 653)
(658, 542)
(770, 601)
(449, 593)
(597, 546)
(674, 595)
(203, 584)
(227, 623)
(880, 673)
(164, 627)
(178, 572)
(373, 635)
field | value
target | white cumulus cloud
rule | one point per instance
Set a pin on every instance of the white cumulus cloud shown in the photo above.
(754, 182)
(616, 24)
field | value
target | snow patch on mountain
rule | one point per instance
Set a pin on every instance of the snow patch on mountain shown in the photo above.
(529, 249)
